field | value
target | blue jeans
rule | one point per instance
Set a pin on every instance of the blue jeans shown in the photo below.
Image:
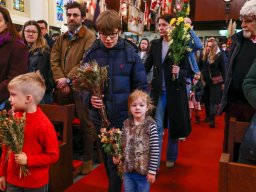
(134, 182)
(172, 146)
(13, 188)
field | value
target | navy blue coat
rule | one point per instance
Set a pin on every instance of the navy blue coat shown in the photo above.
(126, 73)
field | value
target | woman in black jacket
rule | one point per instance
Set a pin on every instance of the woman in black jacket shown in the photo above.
(214, 66)
(39, 56)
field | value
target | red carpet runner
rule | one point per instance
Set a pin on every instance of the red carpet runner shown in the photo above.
(196, 169)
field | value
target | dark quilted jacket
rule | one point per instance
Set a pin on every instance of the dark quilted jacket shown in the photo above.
(125, 73)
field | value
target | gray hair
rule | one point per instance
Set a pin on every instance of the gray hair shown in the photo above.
(249, 8)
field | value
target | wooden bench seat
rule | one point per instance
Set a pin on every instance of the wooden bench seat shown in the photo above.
(236, 177)
(61, 173)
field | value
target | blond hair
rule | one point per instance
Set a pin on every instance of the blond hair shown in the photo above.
(213, 52)
(29, 84)
(144, 96)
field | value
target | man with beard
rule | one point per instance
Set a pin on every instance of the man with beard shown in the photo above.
(241, 57)
(66, 55)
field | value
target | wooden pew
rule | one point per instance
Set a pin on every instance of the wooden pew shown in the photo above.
(236, 134)
(61, 173)
(233, 176)
(236, 177)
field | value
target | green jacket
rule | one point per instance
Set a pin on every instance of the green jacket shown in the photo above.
(249, 85)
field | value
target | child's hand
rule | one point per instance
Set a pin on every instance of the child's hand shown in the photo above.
(96, 102)
(21, 159)
(2, 183)
(116, 160)
(151, 178)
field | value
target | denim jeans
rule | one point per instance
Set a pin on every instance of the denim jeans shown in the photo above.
(134, 182)
(172, 146)
(13, 188)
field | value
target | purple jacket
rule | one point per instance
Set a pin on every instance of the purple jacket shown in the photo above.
(13, 61)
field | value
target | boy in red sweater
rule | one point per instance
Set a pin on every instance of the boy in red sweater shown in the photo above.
(40, 147)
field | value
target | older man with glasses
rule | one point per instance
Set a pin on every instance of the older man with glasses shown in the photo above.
(66, 55)
(241, 56)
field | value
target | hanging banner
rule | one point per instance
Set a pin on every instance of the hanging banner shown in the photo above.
(166, 7)
(91, 6)
(135, 20)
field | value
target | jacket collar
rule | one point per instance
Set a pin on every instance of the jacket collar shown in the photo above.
(81, 33)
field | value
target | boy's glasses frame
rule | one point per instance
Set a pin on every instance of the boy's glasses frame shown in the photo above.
(105, 36)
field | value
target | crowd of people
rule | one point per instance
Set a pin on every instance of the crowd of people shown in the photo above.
(145, 91)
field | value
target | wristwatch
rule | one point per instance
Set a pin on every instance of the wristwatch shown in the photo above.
(68, 81)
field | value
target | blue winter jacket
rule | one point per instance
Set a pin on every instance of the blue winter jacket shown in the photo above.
(126, 73)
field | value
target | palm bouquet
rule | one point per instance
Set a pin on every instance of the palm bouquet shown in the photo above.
(179, 36)
(12, 135)
(112, 144)
(91, 77)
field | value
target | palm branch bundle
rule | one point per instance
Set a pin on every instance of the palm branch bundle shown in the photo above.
(12, 135)
(91, 77)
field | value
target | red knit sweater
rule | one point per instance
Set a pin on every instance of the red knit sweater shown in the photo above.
(41, 148)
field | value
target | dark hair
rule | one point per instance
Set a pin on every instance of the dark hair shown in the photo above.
(145, 39)
(44, 22)
(10, 27)
(108, 21)
(74, 4)
(166, 17)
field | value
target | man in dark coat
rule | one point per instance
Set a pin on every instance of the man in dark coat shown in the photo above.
(168, 95)
(126, 73)
(241, 57)
(44, 28)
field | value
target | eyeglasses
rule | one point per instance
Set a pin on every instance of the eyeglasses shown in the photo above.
(74, 15)
(247, 19)
(42, 28)
(112, 35)
(30, 32)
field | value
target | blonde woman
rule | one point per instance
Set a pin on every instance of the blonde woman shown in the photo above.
(39, 56)
(213, 69)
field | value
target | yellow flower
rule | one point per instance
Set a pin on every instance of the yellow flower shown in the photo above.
(187, 25)
(180, 19)
(172, 21)
(188, 10)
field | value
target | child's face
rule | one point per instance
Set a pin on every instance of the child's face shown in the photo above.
(138, 109)
(17, 100)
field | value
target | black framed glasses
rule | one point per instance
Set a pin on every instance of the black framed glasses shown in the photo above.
(112, 35)
(247, 18)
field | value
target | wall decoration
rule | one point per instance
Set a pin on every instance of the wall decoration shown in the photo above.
(59, 9)
(18, 5)
(135, 20)
(3, 3)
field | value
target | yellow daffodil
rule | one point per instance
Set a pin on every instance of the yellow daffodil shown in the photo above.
(180, 19)
(172, 21)
(187, 25)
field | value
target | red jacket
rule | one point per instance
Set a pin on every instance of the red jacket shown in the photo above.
(41, 148)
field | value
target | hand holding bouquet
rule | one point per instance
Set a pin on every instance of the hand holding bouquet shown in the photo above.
(91, 77)
(179, 36)
(12, 135)
(112, 145)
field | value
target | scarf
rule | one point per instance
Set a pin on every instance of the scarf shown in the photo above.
(5, 37)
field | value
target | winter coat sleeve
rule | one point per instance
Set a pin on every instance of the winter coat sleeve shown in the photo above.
(56, 60)
(249, 85)
(18, 64)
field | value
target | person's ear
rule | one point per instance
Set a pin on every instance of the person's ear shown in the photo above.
(29, 98)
